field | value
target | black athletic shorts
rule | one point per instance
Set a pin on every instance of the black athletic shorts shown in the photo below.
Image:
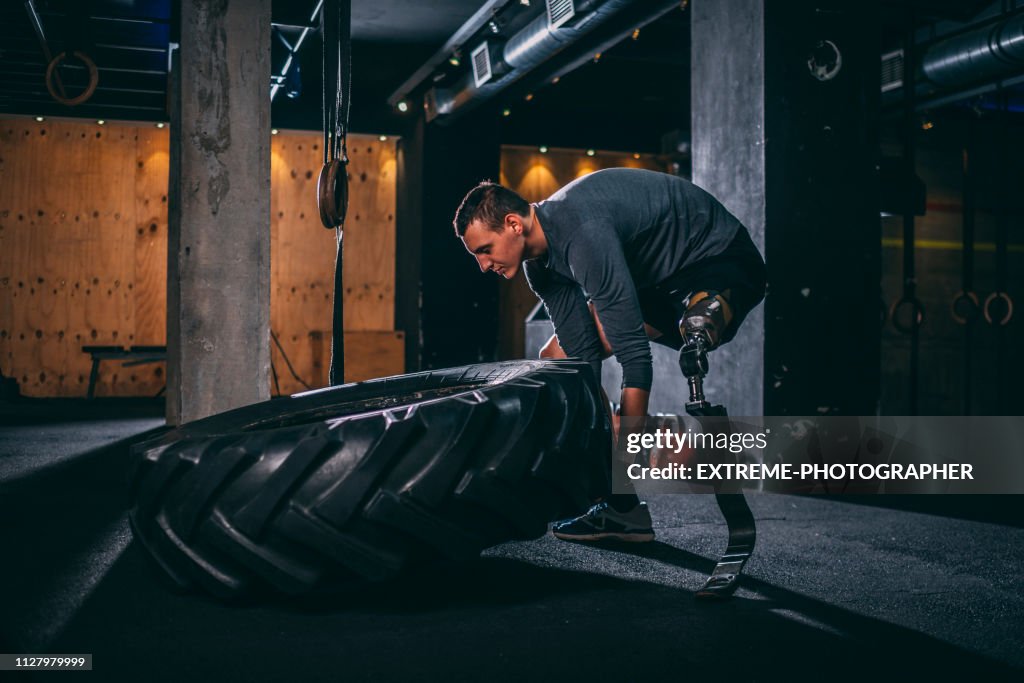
(739, 270)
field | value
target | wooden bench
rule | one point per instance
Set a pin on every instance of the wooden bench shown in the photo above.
(134, 355)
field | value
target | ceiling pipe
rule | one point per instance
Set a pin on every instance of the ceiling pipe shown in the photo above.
(533, 45)
(990, 52)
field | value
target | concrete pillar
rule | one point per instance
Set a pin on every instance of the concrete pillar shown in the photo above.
(219, 248)
(727, 93)
(785, 135)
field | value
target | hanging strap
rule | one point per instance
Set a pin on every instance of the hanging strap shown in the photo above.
(965, 306)
(909, 302)
(332, 186)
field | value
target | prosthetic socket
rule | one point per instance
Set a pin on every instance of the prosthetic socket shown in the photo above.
(706, 317)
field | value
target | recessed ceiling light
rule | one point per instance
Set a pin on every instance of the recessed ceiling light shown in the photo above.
(40, 119)
(543, 149)
(274, 131)
(506, 112)
(100, 122)
(160, 124)
(403, 106)
(591, 152)
(383, 138)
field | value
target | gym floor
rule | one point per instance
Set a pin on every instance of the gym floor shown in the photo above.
(834, 589)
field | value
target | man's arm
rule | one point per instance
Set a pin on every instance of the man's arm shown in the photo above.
(600, 266)
(568, 310)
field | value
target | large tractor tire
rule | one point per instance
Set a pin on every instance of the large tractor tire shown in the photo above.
(364, 480)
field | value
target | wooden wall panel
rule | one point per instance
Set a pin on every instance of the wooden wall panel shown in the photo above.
(150, 285)
(370, 235)
(83, 254)
(537, 176)
(303, 252)
(368, 354)
(67, 197)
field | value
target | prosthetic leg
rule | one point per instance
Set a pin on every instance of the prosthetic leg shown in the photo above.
(707, 315)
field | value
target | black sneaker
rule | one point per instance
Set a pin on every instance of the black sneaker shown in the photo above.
(603, 521)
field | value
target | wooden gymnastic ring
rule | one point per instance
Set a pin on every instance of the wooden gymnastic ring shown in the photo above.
(988, 306)
(94, 78)
(914, 303)
(332, 193)
(964, 300)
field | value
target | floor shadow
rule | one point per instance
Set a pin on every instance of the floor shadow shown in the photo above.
(500, 619)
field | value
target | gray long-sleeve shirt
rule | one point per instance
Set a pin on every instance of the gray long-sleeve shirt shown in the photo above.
(610, 234)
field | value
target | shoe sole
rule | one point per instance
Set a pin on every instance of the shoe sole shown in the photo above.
(628, 538)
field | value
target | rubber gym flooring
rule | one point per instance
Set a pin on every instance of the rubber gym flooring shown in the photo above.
(835, 590)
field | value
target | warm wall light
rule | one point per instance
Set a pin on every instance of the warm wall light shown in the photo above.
(554, 81)
(636, 155)
(597, 58)
(529, 96)
(927, 125)
(455, 59)
(543, 149)
(591, 152)
(403, 106)
(636, 33)
(506, 112)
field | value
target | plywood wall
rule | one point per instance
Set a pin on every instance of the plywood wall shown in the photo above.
(302, 263)
(537, 176)
(83, 235)
(83, 256)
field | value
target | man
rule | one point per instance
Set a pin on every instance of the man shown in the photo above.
(655, 255)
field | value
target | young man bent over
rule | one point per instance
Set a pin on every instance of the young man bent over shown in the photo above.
(619, 257)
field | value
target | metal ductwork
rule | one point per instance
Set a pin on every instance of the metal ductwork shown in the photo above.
(562, 24)
(990, 52)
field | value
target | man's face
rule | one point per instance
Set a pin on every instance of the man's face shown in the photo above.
(500, 251)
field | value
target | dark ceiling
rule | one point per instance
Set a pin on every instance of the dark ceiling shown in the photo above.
(636, 92)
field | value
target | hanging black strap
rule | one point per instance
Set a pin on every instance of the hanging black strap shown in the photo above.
(909, 300)
(965, 303)
(332, 189)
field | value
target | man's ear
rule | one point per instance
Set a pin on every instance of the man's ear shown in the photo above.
(514, 221)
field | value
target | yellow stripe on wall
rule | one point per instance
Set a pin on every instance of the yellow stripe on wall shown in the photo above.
(947, 245)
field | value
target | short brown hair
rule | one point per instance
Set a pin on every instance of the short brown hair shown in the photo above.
(488, 202)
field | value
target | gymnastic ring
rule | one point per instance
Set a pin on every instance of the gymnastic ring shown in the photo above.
(965, 307)
(332, 193)
(94, 78)
(988, 308)
(918, 309)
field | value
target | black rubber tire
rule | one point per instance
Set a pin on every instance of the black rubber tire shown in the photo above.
(366, 479)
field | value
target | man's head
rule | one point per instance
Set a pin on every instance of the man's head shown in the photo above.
(492, 222)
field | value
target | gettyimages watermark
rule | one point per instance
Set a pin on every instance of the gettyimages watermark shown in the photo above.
(853, 455)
